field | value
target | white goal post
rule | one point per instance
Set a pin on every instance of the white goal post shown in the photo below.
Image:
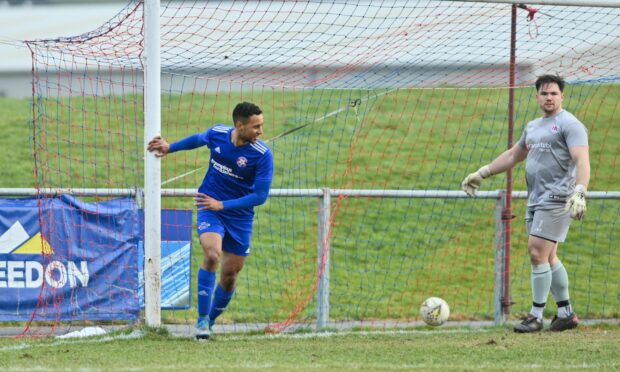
(152, 165)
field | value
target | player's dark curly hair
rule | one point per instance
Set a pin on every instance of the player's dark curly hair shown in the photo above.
(548, 79)
(244, 110)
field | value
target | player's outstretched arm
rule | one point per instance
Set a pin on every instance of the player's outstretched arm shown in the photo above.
(161, 147)
(502, 163)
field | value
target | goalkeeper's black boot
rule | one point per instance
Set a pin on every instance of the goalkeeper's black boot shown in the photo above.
(563, 324)
(529, 325)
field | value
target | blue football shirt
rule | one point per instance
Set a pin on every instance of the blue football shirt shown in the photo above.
(233, 171)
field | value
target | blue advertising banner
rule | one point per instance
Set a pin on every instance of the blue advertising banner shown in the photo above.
(72, 261)
(83, 261)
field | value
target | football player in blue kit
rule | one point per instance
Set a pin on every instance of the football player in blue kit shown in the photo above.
(557, 173)
(238, 179)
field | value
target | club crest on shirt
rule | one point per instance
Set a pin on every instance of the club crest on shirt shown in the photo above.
(555, 129)
(242, 161)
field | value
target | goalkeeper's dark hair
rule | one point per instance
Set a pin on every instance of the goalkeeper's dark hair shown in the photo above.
(244, 110)
(549, 79)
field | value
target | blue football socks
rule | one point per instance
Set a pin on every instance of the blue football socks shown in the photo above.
(221, 298)
(206, 282)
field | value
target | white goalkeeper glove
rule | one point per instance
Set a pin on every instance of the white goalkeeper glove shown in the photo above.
(472, 182)
(576, 204)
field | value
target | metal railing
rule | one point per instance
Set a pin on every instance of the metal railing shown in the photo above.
(324, 213)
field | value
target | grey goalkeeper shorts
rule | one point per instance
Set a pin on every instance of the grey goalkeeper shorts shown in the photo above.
(550, 224)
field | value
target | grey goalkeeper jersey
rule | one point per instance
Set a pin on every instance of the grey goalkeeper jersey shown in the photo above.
(550, 171)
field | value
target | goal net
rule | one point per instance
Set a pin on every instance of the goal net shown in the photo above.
(398, 100)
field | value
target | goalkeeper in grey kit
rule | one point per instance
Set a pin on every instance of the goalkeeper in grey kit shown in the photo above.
(557, 173)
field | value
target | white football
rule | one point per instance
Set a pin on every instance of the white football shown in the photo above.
(434, 311)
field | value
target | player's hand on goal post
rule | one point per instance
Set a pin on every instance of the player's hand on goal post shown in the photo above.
(472, 182)
(159, 146)
(576, 204)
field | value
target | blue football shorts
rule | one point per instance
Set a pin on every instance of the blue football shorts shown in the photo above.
(235, 232)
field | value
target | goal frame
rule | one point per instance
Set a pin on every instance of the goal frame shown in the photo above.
(153, 191)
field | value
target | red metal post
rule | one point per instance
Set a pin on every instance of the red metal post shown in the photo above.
(507, 213)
